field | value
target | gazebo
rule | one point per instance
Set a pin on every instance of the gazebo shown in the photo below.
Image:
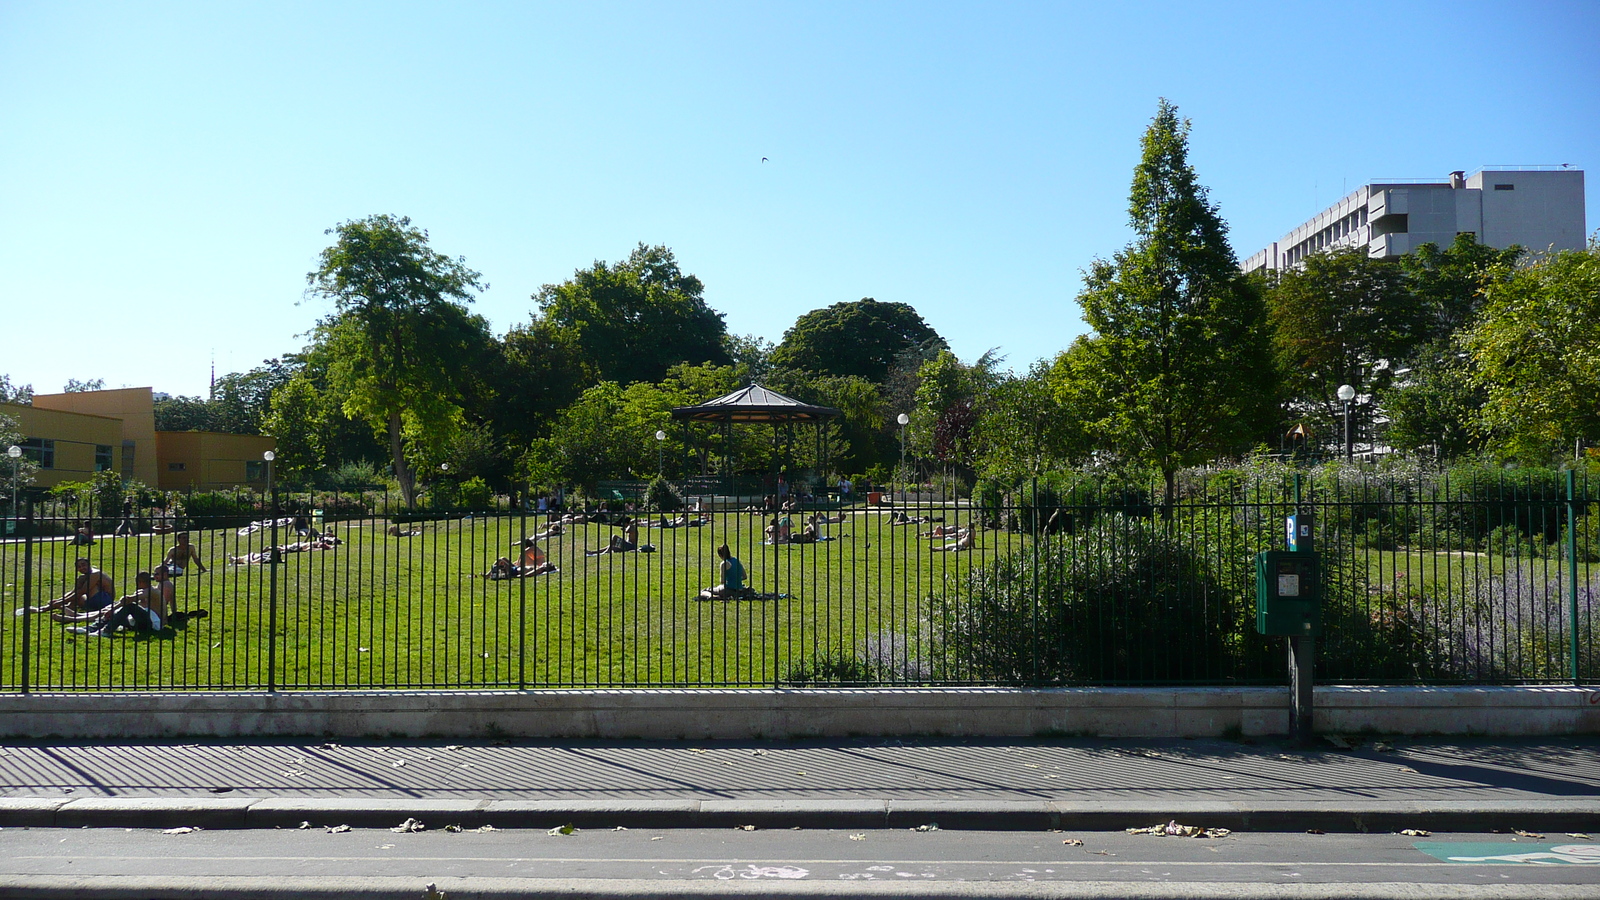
(757, 405)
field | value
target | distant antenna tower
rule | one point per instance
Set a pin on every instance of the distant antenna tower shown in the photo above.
(211, 394)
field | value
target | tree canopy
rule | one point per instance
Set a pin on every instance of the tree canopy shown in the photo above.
(861, 338)
(1536, 344)
(635, 319)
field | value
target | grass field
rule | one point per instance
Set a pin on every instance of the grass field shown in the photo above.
(412, 612)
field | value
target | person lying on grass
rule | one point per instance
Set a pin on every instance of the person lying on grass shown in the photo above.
(93, 591)
(394, 530)
(820, 519)
(504, 568)
(963, 541)
(901, 518)
(939, 531)
(554, 529)
(682, 520)
(620, 543)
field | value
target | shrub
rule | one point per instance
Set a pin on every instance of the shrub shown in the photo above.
(1125, 599)
(661, 496)
(475, 494)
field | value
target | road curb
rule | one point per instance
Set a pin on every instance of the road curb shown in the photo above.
(290, 812)
(283, 888)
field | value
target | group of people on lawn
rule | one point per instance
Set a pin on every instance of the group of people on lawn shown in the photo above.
(91, 607)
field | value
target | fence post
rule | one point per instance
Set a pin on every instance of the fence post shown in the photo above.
(1302, 654)
(522, 604)
(1572, 572)
(27, 600)
(272, 596)
(1033, 524)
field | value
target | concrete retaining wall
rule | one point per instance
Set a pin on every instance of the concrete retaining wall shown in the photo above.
(751, 714)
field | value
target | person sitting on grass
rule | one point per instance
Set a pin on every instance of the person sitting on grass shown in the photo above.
(620, 543)
(91, 592)
(732, 572)
(963, 541)
(779, 531)
(84, 535)
(138, 612)
(181, 555)
(167, 601)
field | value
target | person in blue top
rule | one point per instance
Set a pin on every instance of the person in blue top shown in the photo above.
(732, 575)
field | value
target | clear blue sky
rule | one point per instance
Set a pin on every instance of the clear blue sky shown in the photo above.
(167, 170)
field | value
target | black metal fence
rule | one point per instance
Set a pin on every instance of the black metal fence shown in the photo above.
(1427, 580)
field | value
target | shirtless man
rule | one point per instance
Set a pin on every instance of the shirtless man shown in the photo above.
(91, 592)
(139, 611)
(179, 557)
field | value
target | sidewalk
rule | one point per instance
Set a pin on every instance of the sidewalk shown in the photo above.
(1438, 785)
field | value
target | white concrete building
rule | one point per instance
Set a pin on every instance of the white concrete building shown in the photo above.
(1539, 209)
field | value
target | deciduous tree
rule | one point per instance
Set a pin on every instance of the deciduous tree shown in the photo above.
(862, 338)
(1179, 345)
(636, 319)
(1536, 345)
(403, 340)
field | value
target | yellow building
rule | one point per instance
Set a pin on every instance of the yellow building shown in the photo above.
(72, 436)
(67, 446)
(204, 460)
(135, 407)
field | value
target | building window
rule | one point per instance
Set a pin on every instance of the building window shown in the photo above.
(175, 467)
(41, 451)
(255, 470)
(102, 457)
(1505, 187)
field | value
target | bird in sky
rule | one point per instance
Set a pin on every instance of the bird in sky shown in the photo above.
(763, 159)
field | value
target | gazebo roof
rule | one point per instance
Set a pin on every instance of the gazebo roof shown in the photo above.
(755, 404)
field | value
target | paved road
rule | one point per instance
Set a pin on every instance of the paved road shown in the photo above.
(650, 862)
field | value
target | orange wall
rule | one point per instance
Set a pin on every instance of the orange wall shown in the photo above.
(206, 460)
(134, 406)
(76, 437)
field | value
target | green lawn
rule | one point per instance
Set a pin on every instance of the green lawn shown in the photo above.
(410, 612)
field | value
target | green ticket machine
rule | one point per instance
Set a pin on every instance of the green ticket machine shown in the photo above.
(1289, 593)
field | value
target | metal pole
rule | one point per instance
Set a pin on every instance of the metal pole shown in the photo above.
(272, 597)
(1349, 439)
(1572, 572)
(27, 599)
(1303, 650)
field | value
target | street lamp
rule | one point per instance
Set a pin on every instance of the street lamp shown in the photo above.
(15, 453)
(904, 420)
(661, 438)
(1346, 394)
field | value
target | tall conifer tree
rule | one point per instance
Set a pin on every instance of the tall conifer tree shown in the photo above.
(1179, 356)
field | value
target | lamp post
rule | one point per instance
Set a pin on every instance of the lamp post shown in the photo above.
(661, 439)
(15, 452)
(1346, 394)
(272, 576)
(904, 420)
